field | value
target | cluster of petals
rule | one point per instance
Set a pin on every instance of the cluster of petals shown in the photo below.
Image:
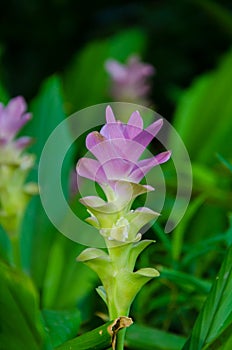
(117, 149)
(118, 169)
(130, 81)
(13, 117)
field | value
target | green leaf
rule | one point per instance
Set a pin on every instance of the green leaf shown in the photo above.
(216, 316)
(162, 236)
(178, 234)
(206, 108)
(146, 338)
(224, 342)
(136, 250)
(225, 162)
(5, 246)
(99, 261)
(61, 325)
(101, 291)
(225, 346)
(92, 254)
(147, 272)
(185, 281)
(47, 110)
(21, 326)
(53, 274)
(212, 184)
(66, 282)
(228, 234)
(37, 231)
(201, 248)
(123, 290)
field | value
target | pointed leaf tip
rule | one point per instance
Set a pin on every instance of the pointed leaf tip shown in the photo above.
(101, 291)
(92, 253)
(148, 272)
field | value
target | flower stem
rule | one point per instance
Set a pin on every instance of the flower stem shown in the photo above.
(119, 258)
(116, 309)
(120, 339)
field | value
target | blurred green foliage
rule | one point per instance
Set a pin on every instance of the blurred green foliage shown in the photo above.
(19, 316)
(189, 43)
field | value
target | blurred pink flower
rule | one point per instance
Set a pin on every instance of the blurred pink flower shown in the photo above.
(117, 149)
(12, 119)
(130, 81)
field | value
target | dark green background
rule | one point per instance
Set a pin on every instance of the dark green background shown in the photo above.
(185, 38)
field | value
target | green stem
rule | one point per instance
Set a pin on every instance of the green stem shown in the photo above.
(115, 309)
(120, 339)
(119, 257)
(100, 338)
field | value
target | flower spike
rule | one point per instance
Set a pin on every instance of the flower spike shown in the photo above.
(118, 169)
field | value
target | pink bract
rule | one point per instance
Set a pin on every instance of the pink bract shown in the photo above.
(117, 149)
(130, 81)
(12, 119)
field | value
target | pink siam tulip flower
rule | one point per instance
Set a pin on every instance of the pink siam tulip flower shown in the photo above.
(12, 119)
(117, 149)
(14, 168)
(117, 168)
(130, 81)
